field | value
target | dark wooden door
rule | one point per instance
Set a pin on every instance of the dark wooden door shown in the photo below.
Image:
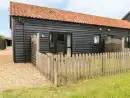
(60, 43)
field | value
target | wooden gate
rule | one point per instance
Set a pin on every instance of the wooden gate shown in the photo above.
(34, 47)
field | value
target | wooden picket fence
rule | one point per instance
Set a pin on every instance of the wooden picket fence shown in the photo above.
(61, 69)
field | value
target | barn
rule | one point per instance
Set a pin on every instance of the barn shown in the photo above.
(8, 41)
(61, 31)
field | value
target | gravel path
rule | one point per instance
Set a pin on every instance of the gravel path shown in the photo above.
(18, 75)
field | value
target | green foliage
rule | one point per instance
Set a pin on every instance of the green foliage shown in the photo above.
(117, 86)
(2, 37)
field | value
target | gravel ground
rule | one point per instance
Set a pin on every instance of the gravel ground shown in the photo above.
(18, 75)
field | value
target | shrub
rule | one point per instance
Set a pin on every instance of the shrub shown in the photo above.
(2, 37)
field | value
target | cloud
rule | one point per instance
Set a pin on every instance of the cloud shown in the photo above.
(6, 33)
(41, 2)
(51, 3)
(4, 6)
(107, 8)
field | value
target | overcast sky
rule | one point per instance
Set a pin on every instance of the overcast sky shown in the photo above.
(107, 8)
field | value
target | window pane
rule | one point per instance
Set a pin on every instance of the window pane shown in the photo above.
(109, 37)
(52, 49)
(96, 39)
(129, 39)
(51, 40)
(68, 51)
(60, 37)
(68, 40)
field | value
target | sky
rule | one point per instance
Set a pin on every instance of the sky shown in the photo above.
(107, 8)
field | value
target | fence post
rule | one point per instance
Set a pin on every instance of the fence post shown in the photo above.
(103, 63)
(37, 48)
(38, 41)
(89, 66)
(49, 65)
(56, 70)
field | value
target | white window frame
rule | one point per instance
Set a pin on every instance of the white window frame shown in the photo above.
(69, 44)
(97, 38)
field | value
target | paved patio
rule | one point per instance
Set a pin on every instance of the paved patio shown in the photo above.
(18, 75)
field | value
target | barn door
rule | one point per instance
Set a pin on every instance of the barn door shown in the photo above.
(60, 43)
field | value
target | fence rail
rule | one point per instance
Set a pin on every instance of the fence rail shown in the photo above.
(61, 69)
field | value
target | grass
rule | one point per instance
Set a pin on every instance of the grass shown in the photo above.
(117, 86)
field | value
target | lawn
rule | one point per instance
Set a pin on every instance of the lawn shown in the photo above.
(117, 86)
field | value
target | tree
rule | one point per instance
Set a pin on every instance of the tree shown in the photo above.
(2, 37)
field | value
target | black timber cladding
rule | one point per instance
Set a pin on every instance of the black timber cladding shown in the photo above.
(82, 36)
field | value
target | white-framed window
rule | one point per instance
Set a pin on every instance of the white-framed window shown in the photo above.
(52, 46)
(97, 38)
(109, 37)
(127, 44)
(128, 39)
(69, 43)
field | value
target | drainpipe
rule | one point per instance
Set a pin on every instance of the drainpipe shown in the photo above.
(24, 38)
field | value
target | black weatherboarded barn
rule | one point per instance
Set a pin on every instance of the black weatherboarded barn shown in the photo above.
(60, 31)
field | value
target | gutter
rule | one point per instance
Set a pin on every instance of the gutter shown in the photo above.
(24, 43)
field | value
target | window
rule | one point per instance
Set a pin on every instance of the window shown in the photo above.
(128, 39)
(69, 45)
(127, 44)
(60, 37)
(109, 37)
(52, 49)
(97, 39)
(60, 42)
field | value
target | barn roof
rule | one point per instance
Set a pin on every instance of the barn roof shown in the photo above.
(33, 11)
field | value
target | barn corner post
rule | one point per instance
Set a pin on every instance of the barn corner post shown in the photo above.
(37, 48)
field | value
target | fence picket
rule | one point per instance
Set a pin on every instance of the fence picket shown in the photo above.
(83, 66)
(89, 66)
(61, 69)
(86, 66)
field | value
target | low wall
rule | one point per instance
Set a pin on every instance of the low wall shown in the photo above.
(2, 44)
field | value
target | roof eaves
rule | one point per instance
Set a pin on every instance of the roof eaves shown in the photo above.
(66, 21)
